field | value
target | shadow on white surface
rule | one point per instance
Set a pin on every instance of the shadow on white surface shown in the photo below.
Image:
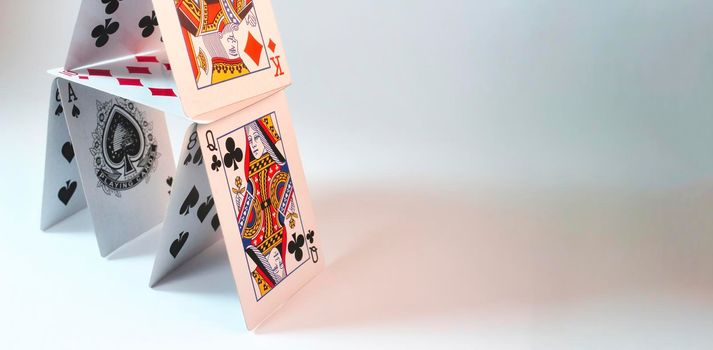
(79, 223)
(141, 246)
(413, 257)
(395, 257)
(207, 273)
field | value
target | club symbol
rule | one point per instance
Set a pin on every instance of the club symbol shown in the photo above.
(148, 23)
(234, 155)
(295, 246)
(102, 32)
(111, 6)
(216, 163)
(310, 236)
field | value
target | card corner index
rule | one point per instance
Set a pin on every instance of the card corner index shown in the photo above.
(123, 153)
(63, 193)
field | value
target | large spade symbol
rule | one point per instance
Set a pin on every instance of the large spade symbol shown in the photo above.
(123, 141)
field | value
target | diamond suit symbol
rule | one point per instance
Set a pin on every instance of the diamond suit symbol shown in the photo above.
(254, 49)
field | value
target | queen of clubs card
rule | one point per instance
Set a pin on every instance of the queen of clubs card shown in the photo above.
(267, 207)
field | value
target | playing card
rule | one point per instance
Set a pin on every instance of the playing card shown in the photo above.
(265, 212)
(110, 29)
(63, 194)
(191, 223)
(124, 157)
(225, 54)
(145, 79)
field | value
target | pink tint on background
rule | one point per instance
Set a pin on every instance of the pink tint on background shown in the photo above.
(408, 258)
(543, 183)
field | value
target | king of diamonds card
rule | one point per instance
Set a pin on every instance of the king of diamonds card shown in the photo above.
(223, 39)
(225, 54)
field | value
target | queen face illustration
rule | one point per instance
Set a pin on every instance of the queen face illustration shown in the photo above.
(275, 261)
(257, 146)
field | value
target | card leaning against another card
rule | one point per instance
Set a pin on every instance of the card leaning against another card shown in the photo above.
(124, 157)
(225, 54)
(258, 184)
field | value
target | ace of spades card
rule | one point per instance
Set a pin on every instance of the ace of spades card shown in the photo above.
(122, 154)
(251, 188)
(62, 195)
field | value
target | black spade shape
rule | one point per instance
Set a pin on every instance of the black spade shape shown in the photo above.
(75, 112)
(66, 192)
(59, 110)
(123, 141)
(178, 243)
(68, 151)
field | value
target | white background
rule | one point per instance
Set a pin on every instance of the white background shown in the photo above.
(496, 175)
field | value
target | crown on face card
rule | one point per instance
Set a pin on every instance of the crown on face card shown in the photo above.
(239, 177)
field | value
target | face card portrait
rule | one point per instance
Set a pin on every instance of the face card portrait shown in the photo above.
(265, 211)
(223, 39)
(225, 54)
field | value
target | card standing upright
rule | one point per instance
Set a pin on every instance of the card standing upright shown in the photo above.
(239, 177)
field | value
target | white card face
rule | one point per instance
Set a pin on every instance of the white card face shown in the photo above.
(191, 224)
(223, 52)
(265, 211)
(63, 194)
(124, 158)
(110, 29)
